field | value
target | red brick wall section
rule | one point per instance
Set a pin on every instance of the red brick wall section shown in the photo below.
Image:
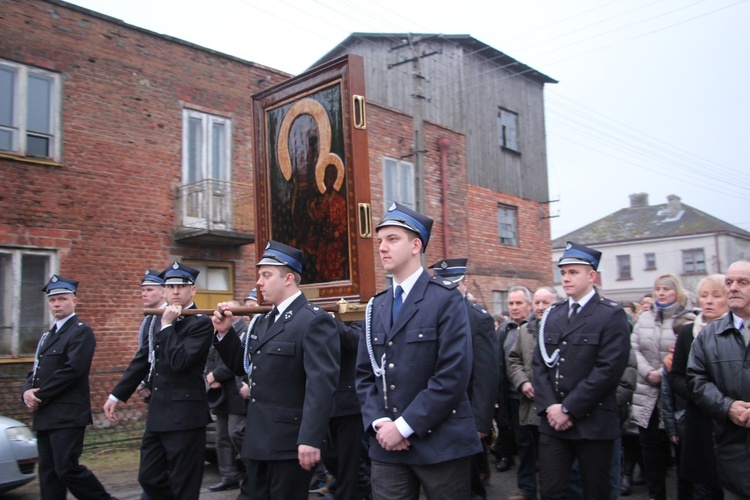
(109, 206)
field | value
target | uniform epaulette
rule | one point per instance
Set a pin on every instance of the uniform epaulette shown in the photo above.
(479, 308)
(443, 282)
(314, 308)
(383, 291)
(608, 302)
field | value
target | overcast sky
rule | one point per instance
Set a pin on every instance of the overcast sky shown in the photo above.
(651, 97)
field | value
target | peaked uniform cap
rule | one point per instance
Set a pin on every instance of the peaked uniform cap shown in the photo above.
(179, 274)
(403, 216)
(58, 285)
(579, 254)
(279, 254)
(453, 268)
(152, 278)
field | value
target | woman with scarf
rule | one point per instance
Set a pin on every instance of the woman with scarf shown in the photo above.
(697, 465)
(652, 338)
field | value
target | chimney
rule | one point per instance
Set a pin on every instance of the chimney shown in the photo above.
(638, 200)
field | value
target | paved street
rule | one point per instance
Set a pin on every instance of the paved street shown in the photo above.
(120, 479)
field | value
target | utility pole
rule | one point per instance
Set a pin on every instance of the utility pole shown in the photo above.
(418, 98)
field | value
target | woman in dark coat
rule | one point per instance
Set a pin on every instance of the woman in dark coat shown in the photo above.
(697, 461)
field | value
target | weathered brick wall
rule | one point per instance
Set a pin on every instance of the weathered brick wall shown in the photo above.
(108, 207)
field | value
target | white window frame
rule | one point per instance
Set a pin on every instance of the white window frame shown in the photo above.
(624, 267)
(206, 165)
(694, 261)
(207, 200)
(648, 266)
(19, 126)
(12, 291)
(404, 183)
(507, 123)
(503, 225)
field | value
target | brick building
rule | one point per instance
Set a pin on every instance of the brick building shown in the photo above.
(125, 149)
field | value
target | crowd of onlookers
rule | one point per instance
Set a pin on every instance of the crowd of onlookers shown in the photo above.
(581, 389)
(664, 422)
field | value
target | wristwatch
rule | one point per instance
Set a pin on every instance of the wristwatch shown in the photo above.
(564, 410)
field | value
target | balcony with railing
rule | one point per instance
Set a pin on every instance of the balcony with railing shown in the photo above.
(214, 212)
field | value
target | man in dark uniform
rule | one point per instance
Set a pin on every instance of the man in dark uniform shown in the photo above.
(230, 410)
(57, 391)
(292, 360)
(173, 446)
(152, 297)
(577, 367)
(485, 368)
(413, 371)
(343, 455)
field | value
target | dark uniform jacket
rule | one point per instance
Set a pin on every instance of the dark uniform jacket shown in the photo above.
(294, 375)
(178, 388)
(485, 369)
(594, 351)
(232, 403)
(428, 369)
(63, 377)
(345, 400)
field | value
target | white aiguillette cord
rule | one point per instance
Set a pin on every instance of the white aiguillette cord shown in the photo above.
(246, 359)
(550, 361)
(379, 371)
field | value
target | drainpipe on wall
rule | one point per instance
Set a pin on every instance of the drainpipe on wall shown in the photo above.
(444, 145)
(718, 258)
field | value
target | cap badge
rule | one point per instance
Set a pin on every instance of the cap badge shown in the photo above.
(268, 245)
(392, 207)
(444, 265)
(568, 246)
(175, 265)
(54, 279)
(146, 273)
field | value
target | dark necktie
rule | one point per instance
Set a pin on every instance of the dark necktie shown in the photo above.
(271, 319)
(397, 303)
(573, 311)
(51, 334)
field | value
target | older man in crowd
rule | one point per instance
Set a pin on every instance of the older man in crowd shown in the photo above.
(519, 308)
(719, 379)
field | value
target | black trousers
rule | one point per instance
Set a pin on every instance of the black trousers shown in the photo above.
(556, 458)
(342, 454)
(655, 451)
(445, 480)
(272, 479)
(59, 470)
(172, 464)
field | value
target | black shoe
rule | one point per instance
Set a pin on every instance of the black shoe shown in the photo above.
(504, 464)
(625, 486)
(225, 485)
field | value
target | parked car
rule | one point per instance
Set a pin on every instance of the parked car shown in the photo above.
(18, 454)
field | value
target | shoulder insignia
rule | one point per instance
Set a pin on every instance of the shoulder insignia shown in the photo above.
(479, 308)
(443, 282)
(312, 307)
(608, 302)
